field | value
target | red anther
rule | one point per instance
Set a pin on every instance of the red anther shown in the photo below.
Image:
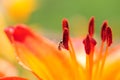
(86, 43)
(93, 43)
(65, 38)
(103, 31)
(109, 36)
(91, 27)
(65, 24)
(89, 44)
(9, 32)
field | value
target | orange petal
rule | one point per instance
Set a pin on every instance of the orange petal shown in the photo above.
(41, 55)
(112, 71)
(1, 74)
(12, 78)
(112, 65)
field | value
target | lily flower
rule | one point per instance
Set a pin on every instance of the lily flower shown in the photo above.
(49, 61)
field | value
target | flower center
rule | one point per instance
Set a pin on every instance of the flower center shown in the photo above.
(89, 45)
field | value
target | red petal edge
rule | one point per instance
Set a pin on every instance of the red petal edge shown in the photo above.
(12, 78)
(18, 33)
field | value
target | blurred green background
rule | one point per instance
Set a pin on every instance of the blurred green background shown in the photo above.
(50, 13)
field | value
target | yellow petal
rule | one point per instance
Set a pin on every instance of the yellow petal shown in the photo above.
(42, 56)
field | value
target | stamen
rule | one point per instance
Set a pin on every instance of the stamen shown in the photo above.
(65, 33)
(65, 24)
(86, 43)
(66, 42)
(103, 38)
(68, 45)
(109, 36)
(103, 62)
(91, 27)
(103, 31)
(109, 42)
(65, 38)
(93, 43)
(98, 60)
(89, 44)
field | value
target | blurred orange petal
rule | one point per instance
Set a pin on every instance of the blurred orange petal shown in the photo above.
(41, 55)
(112, 71)
(12, 78)
(7, 69)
